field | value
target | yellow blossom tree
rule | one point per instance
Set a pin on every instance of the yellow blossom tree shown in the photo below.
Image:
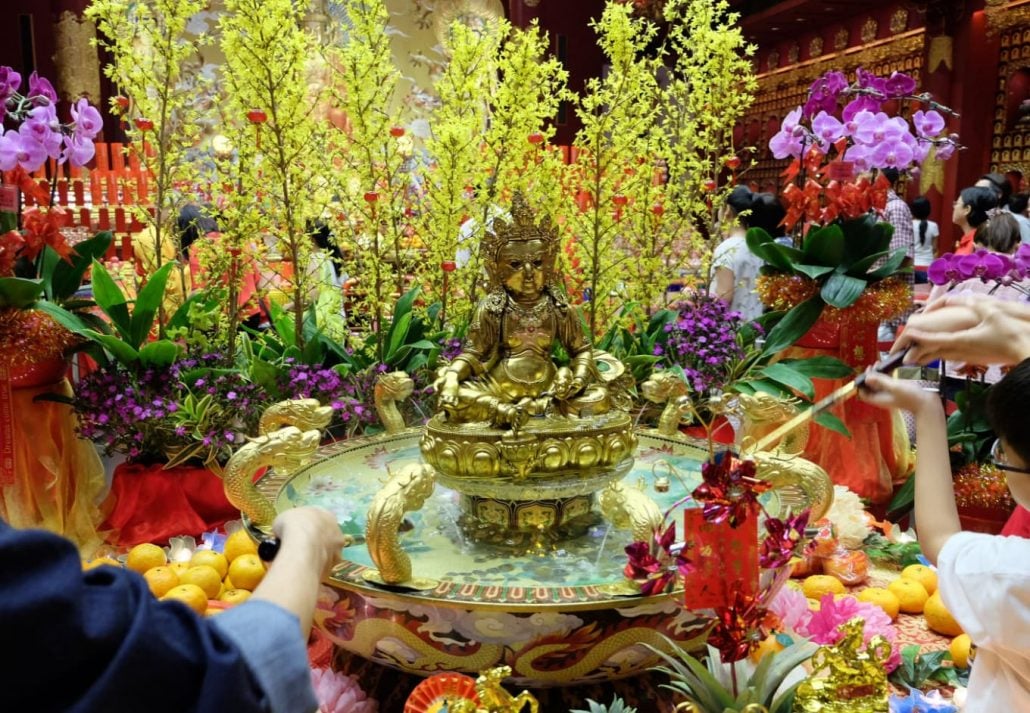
(150, 52)
(265, 80)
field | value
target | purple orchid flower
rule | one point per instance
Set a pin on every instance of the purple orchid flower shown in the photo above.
(78, 150)
(892, 151)
(827, 129)
(9, 83)
(17, 149)
(859, 156)
(823, 94)
(928, 123)
(860, 104)
(87, 119)
(899, 84)
(41, 90)
(787, 141)
(943, 270)
(872, 83)
(1022, 259)
(983, 264)
(945, 151)
(44, 127)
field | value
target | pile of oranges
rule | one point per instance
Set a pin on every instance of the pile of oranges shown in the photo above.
(208, 583)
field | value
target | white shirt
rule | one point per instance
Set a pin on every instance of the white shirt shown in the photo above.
(924, 253)
(734, 255)
(984, 581)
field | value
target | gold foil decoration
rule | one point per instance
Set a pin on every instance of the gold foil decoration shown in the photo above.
(78, 68)
(847, 677)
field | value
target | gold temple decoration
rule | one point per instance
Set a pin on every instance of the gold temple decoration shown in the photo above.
(285, 449)
(405, 491)
(1003, 15)
(78, 67)
(391, 389)
(931, 175)
(493, 698)
(940, 53)
(847, 677)
(666, 387)
(630, 509)
(480, 16)
(815, 47)
(869, 30)
(908, 44)
(793, 52)
(841, 38)
(899, 20)
(773, 61)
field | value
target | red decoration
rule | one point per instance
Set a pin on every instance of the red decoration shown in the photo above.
(655, 573)
(710, 185)
(396, 131)
(658, 209)
(619, 199)
(726, 560)
(371, 196)
(435, 692)
(733, 163)
(730, 489)
(256, 116)
(144, 124)
(535, 138)
(448, 266)
(122, 103)
(738, 627)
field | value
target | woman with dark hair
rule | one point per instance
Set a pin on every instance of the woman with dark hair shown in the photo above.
(926, 232)
(734, 266)
(970, 212)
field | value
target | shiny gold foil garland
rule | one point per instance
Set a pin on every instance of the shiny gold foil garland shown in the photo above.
(29, 337)
(880, 301)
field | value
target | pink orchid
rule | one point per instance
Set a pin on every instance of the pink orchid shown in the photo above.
(78, 150)
(983, 264)
(787, 141)
(899, 84)
(41, 90)
(44, 127)
(945, 151)
(337, 693)
(827, 129)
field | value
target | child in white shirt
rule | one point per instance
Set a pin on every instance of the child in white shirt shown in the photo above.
(984, 580)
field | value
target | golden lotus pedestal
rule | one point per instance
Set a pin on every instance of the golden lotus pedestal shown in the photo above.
(536, 484)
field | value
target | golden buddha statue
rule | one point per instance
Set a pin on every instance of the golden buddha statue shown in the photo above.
(506, 374)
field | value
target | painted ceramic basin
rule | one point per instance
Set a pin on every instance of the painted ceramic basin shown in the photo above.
(551, 613)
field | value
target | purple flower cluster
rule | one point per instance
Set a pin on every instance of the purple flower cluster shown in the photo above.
(874, 139)
(451, 348)
(703, 342)
(304, 381)
(41, 134)
(989, 267)
(127, 413)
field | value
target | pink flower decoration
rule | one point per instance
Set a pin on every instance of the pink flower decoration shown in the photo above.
(899, 84)
(791, 607)
(928, 123)
(19, 150)
(86, 118)
(41, 89)
(337, 693)
(827, 129)
(824, 625)
(945, 151)
(787, 141)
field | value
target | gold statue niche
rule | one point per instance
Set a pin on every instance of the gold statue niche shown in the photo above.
(505, 373)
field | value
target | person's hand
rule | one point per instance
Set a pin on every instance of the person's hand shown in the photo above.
(968, 328)
(447, 388)
(311, 533)
(886, 392)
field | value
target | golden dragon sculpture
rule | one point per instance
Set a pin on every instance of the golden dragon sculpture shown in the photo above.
(391, 389)
(290, 434)
(407, 489)
(629, 508)
(800, 482)
(665, 387)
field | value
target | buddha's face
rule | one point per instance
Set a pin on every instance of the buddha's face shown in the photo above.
(523, 267)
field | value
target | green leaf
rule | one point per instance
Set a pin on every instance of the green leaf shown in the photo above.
(19, 292)
(398, 333)
(119, 349)
(828, 420)
(793, 326)
(813, 271)
(148, 301)
(111, 300)
(889, 267)
(820, 367)
(64, 278)
(904, 497)
(824, 246)
(784, 374)
(842, 290)
(767, 386)
(72, 322)
(863, 237)
(159, 353)
(859, 268)
(762, 244)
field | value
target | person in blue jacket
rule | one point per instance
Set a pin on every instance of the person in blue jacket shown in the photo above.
(98, 640)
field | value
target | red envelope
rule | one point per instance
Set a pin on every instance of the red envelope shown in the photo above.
(726, 560)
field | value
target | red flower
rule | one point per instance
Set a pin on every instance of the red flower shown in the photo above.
(657, 573)
(782, 541)
(730, 489)
(738, 627)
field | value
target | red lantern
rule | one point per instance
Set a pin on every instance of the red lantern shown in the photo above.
(371, 197)
(710, 185)
(658, 209)
(144, 124)
(256, 116)
(396, 131)
(448, 266)
(536, 138)
(619, 199)
(733, 163)
(121, 102)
